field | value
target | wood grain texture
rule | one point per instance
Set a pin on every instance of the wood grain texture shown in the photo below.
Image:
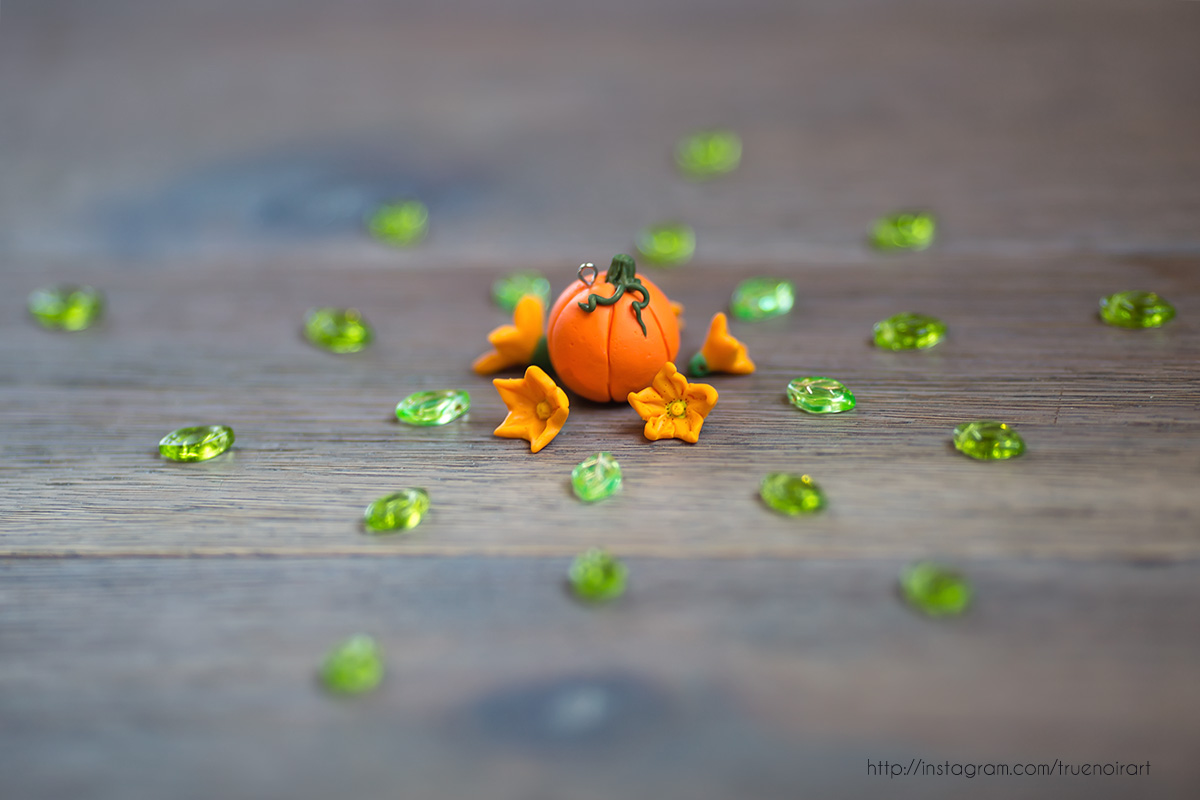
(142, 130)
(208, 166)
(711, 679)
(1111, 418)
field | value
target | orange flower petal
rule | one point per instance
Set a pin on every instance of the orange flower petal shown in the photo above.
(677, 309)
(523, 396)
(647, 403)
(514, 345)
(723, 352)
(669, 386)
(657, 428)
(688, 427)
(528, 315)
(552, 426)
(700, 398)
(488, 363)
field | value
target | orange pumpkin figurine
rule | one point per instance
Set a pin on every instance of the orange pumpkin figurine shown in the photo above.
(610, 337)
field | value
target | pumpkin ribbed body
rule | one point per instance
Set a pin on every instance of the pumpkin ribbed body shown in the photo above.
(602, 354)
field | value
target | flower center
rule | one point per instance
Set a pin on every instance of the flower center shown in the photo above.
(677, 408)
(543, 410)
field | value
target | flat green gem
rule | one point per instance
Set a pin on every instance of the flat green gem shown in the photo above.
(1136, 310)
(909, 331)
(339, 330)
(818, 395)
(353, 667)
(433, 408)
(198, 443)
(935, 589)
(907, 230)
(988, 440)
(66, 307)
(400, 511)
(667, 243)
(791, 494)
(509, 290)
(762, 298)
(596, 576)
(707, 154)
(596, 477)
(400, 224)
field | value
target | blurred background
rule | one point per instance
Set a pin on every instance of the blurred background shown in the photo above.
(138, 130)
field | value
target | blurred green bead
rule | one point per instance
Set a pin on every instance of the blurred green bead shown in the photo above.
(708, 153)
(1136, 310)
(400, 224)
(762, 298)
(667, 243)
(596, 477)
(935, 590)
(907, 230)
(66, 307)
(338, 330)
(909, 331)
(509, 290)
(988, 440)
(791, 494)
(596, 576)
(424, 409)
(353, 667)
(400, 511)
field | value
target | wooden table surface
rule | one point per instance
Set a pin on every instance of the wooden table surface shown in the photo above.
(208, 166)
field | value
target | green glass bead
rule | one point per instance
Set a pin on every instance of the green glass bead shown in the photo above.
(66, 307)
(400, 224)
(667, 243)
(596, 576)
(596, 477)
(707, 154)
(353, 667)
(1136, 310)
(909, 331)
(988, 440)
(339, 330)
(198, 443)
(791, 494)
(818, 395)
(509, 290)
(935, 590)
(907, 230)
(400, 511)
(433, 408)
(762, 298)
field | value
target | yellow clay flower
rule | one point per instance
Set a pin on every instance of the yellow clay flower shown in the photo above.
(672, 407)
(537, 408)
(515, 344)
(721, 352)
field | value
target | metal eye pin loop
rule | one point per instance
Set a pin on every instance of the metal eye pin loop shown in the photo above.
(588, 281)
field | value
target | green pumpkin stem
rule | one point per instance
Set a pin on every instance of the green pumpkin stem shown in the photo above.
(622, 273)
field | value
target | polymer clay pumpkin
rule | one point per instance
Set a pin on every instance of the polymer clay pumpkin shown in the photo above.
(609, 337)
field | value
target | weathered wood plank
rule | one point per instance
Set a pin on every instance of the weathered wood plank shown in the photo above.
(142, 130)
(209, 169)
(1112, 418)
(711, 679)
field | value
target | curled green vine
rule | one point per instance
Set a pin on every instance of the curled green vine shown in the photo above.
(622, 274)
